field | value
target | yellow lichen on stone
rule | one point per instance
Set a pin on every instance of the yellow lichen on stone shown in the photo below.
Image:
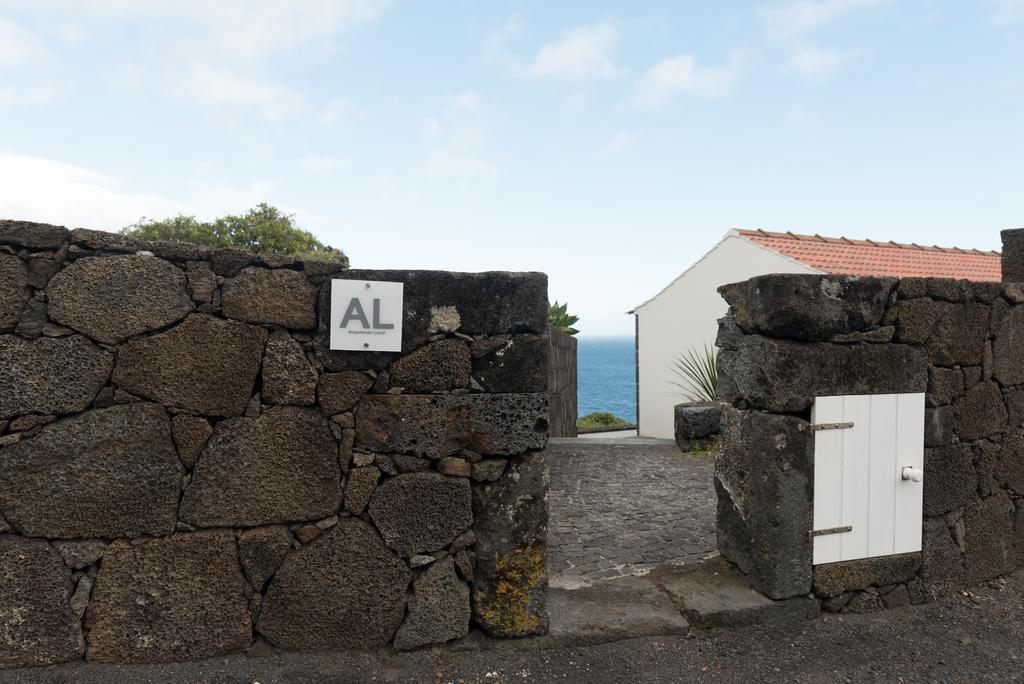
(508, 611)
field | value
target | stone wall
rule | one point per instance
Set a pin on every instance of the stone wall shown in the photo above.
(185, 466)
(789, 338)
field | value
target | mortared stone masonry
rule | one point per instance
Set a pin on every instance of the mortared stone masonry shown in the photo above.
(186, 467)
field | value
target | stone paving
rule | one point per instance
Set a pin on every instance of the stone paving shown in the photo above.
(620, 508)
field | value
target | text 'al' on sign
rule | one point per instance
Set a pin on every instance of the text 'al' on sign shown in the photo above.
(366, 315)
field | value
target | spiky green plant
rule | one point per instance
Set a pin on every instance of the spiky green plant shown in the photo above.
(697, 373)
(561, 319)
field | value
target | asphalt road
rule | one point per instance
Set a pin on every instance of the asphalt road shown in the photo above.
(978, 637)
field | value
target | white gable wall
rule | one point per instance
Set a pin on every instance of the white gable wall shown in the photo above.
(685, 314)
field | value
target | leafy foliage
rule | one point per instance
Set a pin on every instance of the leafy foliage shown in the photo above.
(561, 319)
(698, 374)
(262, 229)
(600, 420)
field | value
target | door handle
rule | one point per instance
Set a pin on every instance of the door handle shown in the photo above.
(912, 474)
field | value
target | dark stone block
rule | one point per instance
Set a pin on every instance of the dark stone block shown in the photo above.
(942, 563)
(510, 583)
(104, 473)
(434, 300)
(113, 298)
(875, 336)
(786, 376)
(344, 590)
(729, 333)
(37, 625)
(1013, 255)
(261, 551)
(228, 261)
(945, 385)
(912, 288)
(176, 598)
(809, 308)
(764, 481)
(13, 291)
(517, 363)
(1014, 409)
(949, 290)
(339, 392)
(276, 468)
(442, 425)
(438, 608)
(274, 296)
(203, 364)
(725, 365)
(990, 551)
(288, 377)
(101, 240)
(1008, 351)
(33, 319)
(833, 579)
(50, 375)
(421, 512)
(436, 367)
(980, 412)
(190, 435)
(947, 478)
(40, 270)
(697, 421)
(939, 426)
(1009, 469)
(32, 235)
(359, 486)
(953, 333)
(178, 251)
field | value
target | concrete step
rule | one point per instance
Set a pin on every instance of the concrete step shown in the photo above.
(713, 593)
(615, 609)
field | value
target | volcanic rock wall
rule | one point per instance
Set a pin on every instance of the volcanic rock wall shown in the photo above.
(790, 338)
(186, 467)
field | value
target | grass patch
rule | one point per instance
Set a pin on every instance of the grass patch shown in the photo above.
(601, 420)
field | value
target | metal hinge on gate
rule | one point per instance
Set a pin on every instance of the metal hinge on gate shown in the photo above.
(829, 530)
(831, 426)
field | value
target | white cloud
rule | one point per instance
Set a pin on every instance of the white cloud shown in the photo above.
(336, 111)
(583, 54)
(50, 191)
(237, 30)
(17, 45)
(468, 102)
(814, 64)
(207, 85)
(454, 143)
(54, 192)
(325, 164)
(43, 93)
(226, 46)
(800, 17)
(576, 102)
(1007, 12)
(616, 145)
(681, 74)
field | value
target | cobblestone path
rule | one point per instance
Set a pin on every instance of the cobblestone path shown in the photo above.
(622, 509)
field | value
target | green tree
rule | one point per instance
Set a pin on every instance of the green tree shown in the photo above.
(262, 229)
(561, 319)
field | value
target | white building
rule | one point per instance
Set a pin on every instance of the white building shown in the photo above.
(685, 314)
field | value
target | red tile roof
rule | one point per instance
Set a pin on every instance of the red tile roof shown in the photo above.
(870, 258)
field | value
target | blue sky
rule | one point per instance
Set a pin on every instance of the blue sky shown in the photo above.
(607, 144)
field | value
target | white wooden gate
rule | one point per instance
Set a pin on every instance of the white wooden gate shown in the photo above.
(868, 489)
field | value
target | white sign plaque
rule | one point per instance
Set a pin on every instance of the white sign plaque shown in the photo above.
(366, 315)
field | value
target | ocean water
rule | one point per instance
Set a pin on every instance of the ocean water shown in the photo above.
(606, 375)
